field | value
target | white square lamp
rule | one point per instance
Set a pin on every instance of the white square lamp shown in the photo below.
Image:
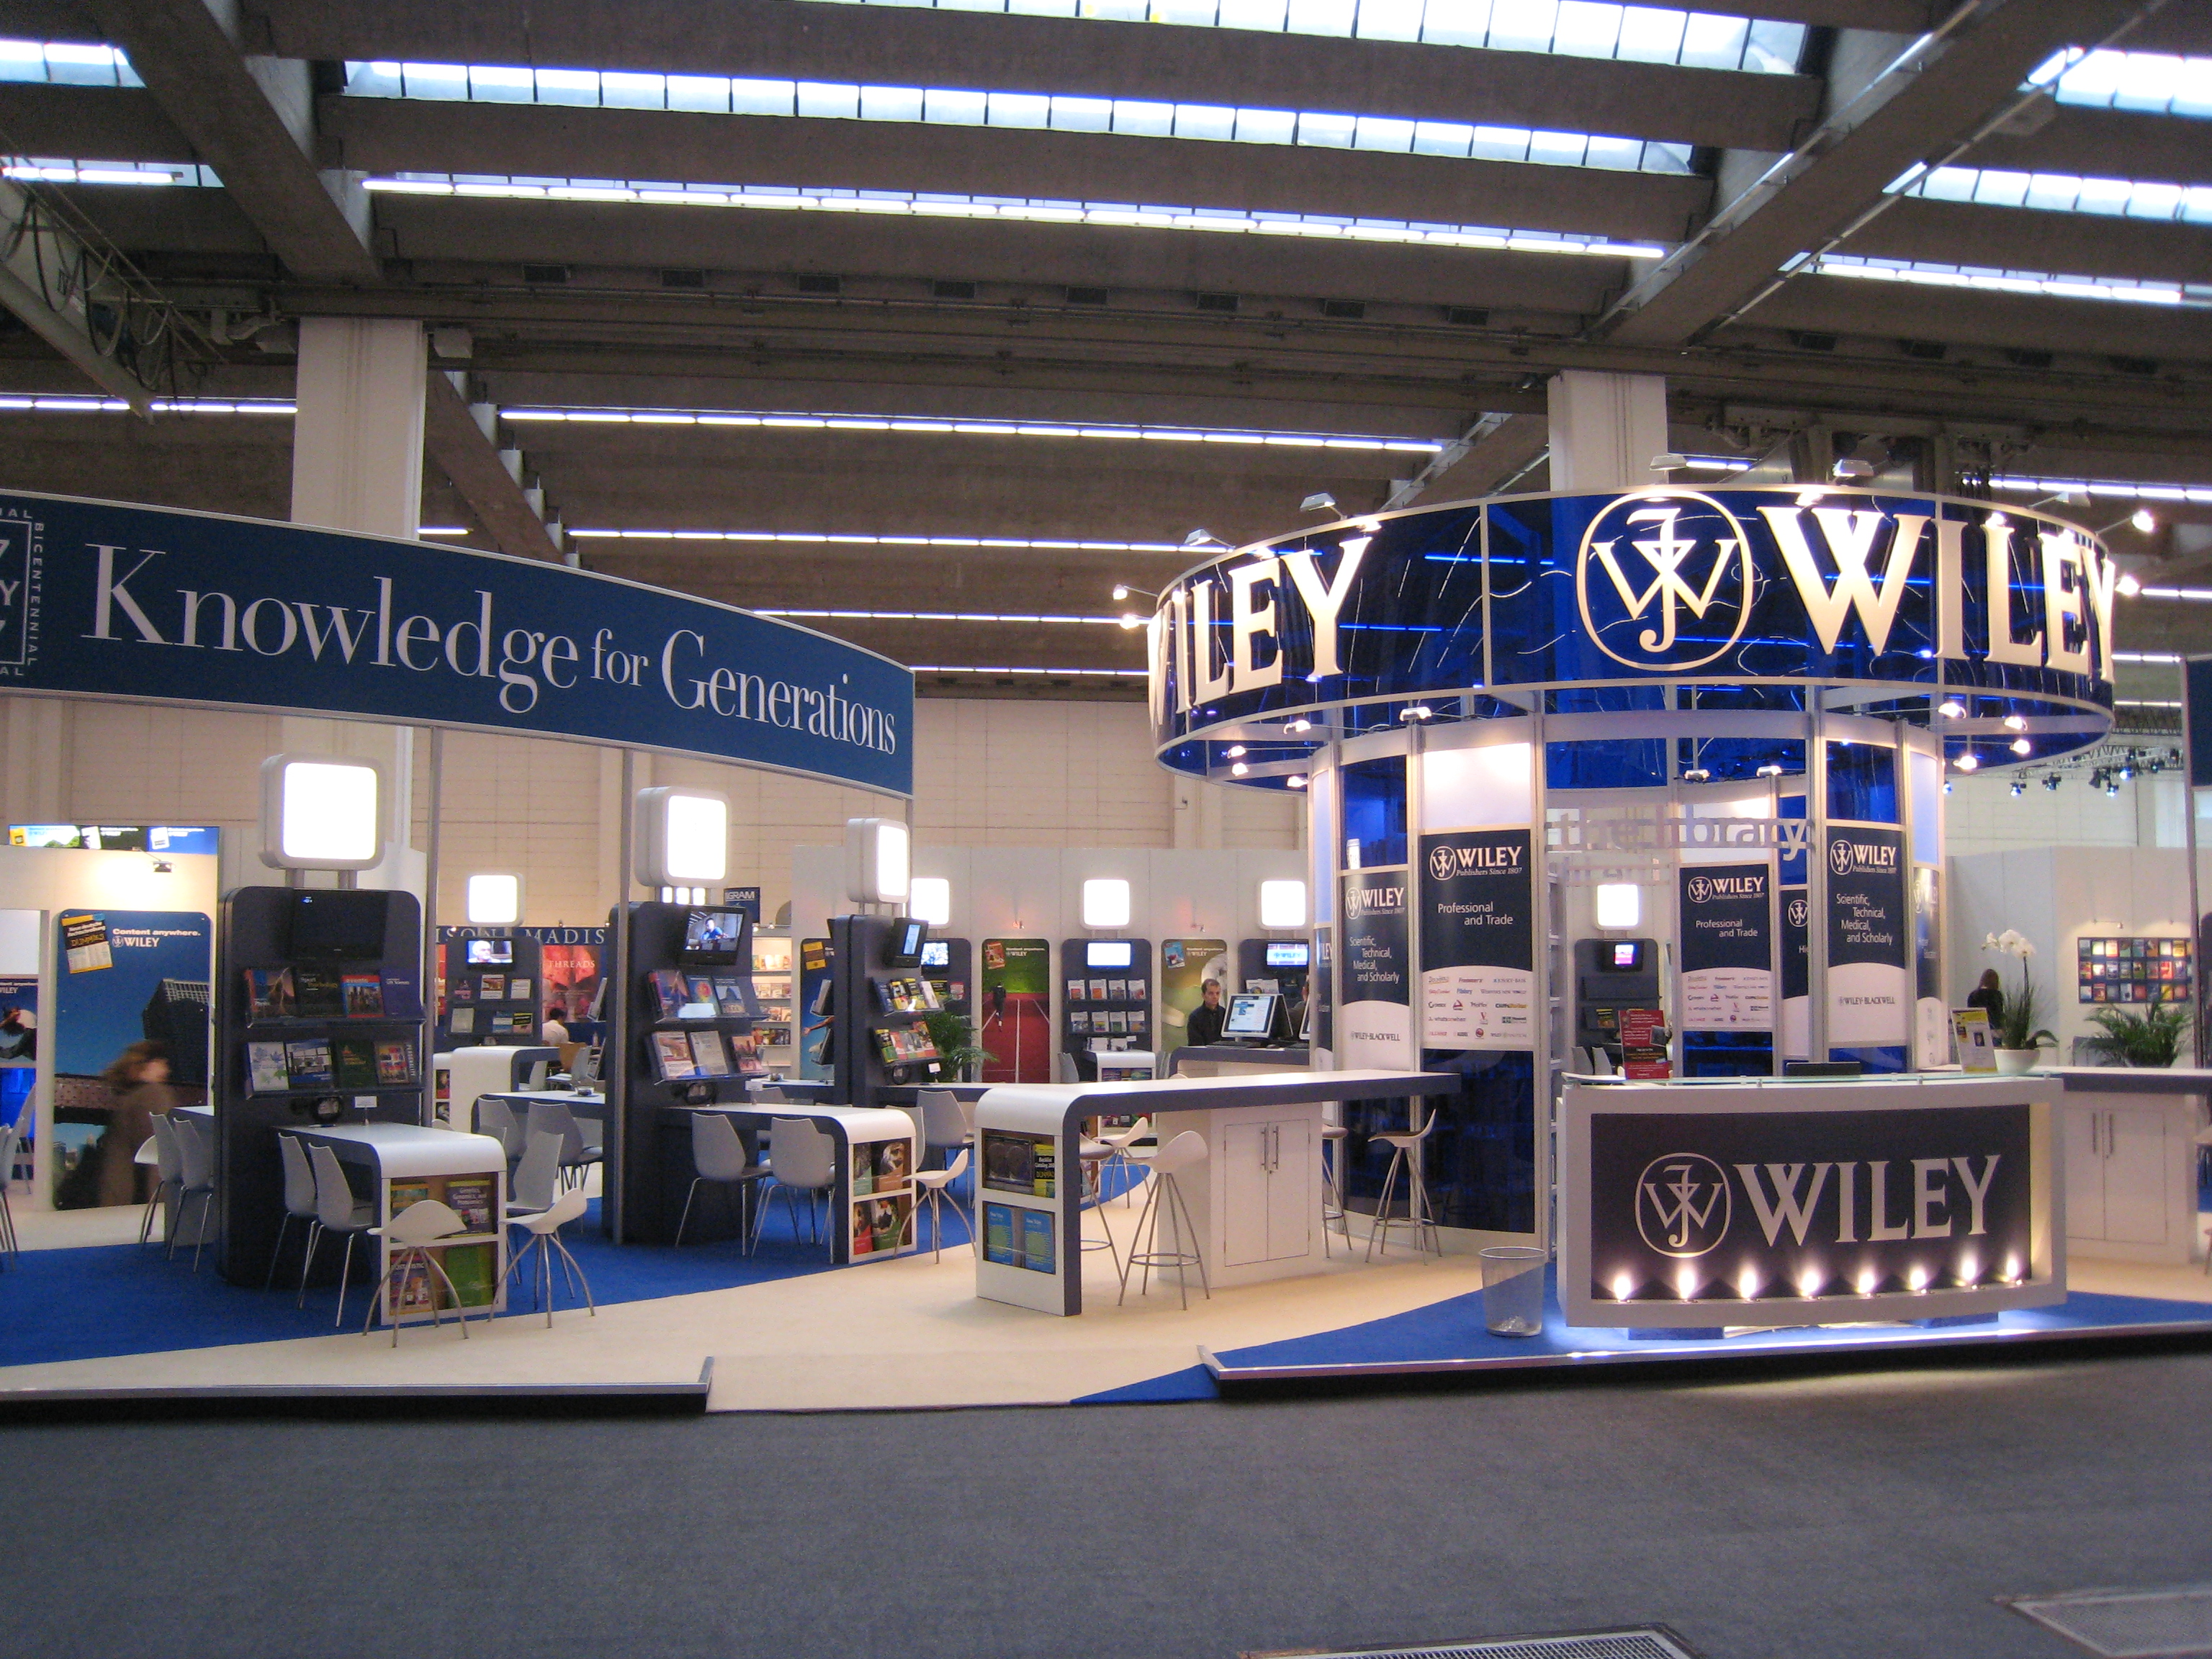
(682, 837)
(1282, 904)
(929, 898)
(321, 812)
(878, 861)
(1106, 902)
(495, 900)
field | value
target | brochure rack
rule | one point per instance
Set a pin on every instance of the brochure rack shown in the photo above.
(880, 1039)
(318, 1018)
(775, 986)
(490, 988)
(1106, 995)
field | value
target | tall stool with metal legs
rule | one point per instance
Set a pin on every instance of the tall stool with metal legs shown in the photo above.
(1405, 1146)
(1332, 1217)
(1093, 1155)
(1164, 1198)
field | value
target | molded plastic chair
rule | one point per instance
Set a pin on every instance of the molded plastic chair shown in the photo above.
(410, 1233)
(930, 1185)
(804, 1159)
(337, 1211)
(1185, 1152)
(168, 1162)
(497, 1117)
(545, 1229)
(1405, 1147)
(195, 1179)
(8, 1136)
(944, 1126)
(718, 1152)
(1119, 1154)
(536, 1181)
(299, 1196)
(554, 1117)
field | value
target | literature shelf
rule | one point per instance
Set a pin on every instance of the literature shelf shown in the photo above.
(880, 1211)
(775, 987)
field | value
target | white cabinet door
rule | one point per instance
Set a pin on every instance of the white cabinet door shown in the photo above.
(2136, 1177)
(2085, 1173)
(1293, 1205)
(1244, 1155)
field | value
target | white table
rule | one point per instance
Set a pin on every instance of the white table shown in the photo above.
(848, 1126)
(411, 1154)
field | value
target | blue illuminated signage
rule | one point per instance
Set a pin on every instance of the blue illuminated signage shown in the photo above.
(98, 599)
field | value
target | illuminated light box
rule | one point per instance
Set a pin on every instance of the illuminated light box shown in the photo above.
(1106, 902)
(495, 900)
(321, 812)
(1619, 904)
(878, 854)
(929, 898)
(1282, 904)
(682, 838)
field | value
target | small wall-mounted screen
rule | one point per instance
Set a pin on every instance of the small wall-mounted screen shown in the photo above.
(937, 953)
(1110, 953)
(331, 926)
(1627, 954)
(904, 948)
(714, 936)
(491, 952)
(1251, 1014)
(1288, 953)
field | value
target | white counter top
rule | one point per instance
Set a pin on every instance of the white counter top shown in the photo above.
(404, 1151)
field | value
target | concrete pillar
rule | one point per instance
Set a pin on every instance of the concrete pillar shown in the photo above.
(1606, 429)
(357, 464)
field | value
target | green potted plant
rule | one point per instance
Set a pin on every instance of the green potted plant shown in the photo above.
(2151, 1038)
(2020, 1038)
(954, 1037)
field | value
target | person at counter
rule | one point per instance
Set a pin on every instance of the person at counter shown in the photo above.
(1206, 1019)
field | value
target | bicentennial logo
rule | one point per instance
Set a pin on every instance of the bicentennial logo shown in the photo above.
(1800, 911)
(1442, 867)
(1682, 1205)
(1839, 857)
(1679, 563)
(1701, 891)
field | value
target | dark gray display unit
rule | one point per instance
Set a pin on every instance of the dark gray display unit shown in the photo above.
(1604, 985)
(338, 941)
(1118, 984)
(648, 1136)
(954, 977)
(876, 1009)
(478, 964)
(1292, 977)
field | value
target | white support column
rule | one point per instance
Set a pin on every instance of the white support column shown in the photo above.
(357, 464)
(1606, 429)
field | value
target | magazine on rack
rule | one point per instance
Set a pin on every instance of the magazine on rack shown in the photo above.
(708, 1057)
(353, 1063)
(318, 994)
(309, 1063)
(364, 996)
(462, 1021)
(669, 993)
(269, 994)
(395, 1062)
(265, 1062)
(671, 1057)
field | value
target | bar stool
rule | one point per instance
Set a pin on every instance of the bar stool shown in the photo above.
(1333, 1137)
(1121, 1155)
(1091, 1158)
(1405, 1147)
(931, 1185)
(1184, 1152)
(543, 1227)
(410, 1233)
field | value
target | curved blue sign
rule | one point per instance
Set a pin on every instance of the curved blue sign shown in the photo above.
(160, 606)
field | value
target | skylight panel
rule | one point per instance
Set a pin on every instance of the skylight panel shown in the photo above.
(2150, 82)
(1989, 280)
(2067, 192)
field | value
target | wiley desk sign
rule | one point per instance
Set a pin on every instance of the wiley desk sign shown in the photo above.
(1698, 1208)
(159, 606)
(1834, 587)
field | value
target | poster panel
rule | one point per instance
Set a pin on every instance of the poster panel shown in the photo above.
(815, 957)
(1726, 947)
(19, 1049)
(1015, 1028)
(1478, 939)
(1377, 1017)
(1932, 1027)
(1796, 973)
(124, 977)
(1186, 964)
(1869, 981)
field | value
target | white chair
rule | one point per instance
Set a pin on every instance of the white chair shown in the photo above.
(496, 1117)
(1332, 1217)
(536, 1175)
(941, 1124)
(804, 1159)
(929, 1186)
(298, 1197)
(410, 1233)
(1578, 1061)
(337, 1211)
(169, 1165)
(718, 1154)
(1120, 1154)
(1185, 1152)
(9, 1136)
(554, 1117)
(545, 1229)
(196, 1179)
(1406, 1146)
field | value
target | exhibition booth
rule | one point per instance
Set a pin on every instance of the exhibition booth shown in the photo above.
(1607, 1014)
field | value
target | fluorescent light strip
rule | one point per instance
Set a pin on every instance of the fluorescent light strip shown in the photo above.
(774, 420)
(2194, 295)
(441, 530)
(2200, 595)
(1634, 34)
(2145, 656)
(2067, 192)
(66, 64)
(65, 170)
(1014, 209)
(16, 404)
(2125, 490)
(821, 537)
(716, 95)
(930, 615)
(2150, 82)
(962, 668)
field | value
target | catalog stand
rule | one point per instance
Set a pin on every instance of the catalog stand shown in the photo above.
(319, 1020)
(949, 965)
(688, 1017)
(775, 986)
(880, 1039)
(1106, 995)
(489, 990)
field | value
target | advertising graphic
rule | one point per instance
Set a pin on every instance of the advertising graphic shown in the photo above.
(1478, 939)
(1377, 1019)
(1015, 1023)
(1796, 973)
(816, 960)
(1870, 965)
(1727, 947)
(1186, 964)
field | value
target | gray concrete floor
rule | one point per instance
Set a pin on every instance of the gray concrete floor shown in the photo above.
(1866, 1516)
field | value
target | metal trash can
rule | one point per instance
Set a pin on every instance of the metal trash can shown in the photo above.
(1513, 1289)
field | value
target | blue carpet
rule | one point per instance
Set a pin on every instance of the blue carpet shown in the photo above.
(1193, 1382)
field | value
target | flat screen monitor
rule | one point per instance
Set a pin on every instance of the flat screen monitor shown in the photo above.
(491, 953)
(1288, 953)
(1251, 1014)
(937, 953)
(713, 937)
(1627, 956)
(904, 947)
(329, 926)
(1110, 953)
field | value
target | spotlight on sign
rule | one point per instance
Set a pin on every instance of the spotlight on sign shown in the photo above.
(683, 837)
(1967, 761)
(494, 899)
(1618, 904)
(1951, 709)
(1623, 1287)
(1916, 1279)
(2016, 723)
(1686, 1284)
(2143, 520)
(321, 812)
(1239, 769)
(1866, 1281)
(1296, 780)
(1808, 1283)
(2022, 746)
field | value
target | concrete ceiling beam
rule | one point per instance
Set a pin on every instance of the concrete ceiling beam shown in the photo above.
(454, 438)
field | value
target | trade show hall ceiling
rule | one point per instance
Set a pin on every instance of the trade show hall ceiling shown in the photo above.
(958, 314)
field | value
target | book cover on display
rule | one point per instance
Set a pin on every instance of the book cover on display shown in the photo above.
(707, 1055)
(1078, 1021)
(671, 1056)
(669, 993)
(471, 1199)
(999, 1234)
(395, 1062)
(730, 998)
(1099, 990)
(744, 1053)
(364, 995)
(269, 994)
(410, 1290)
(702, 991)
(463, 989)
(266, 1063)
(404, 1193)
(864, 1227)
(517, 990)
(471, 1266)
(1075, 990)
(492, 988)
(85, 947)
(891, 1159)
(353, 1063)
(1036, 1240)
(1138, 1022)
(889, 1225)
(1117, 990)
(309, 1063)
(462, 1021)
(318, 994)
(1136, 990)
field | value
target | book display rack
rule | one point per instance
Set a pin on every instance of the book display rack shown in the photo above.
(881, 1038)
(1106, 993)
(2132, 970)
(319, 1017)
(489, 989)
(775, 987)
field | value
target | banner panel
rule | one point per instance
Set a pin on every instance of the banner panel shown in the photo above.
(1726, 947)
(1870, 979)
(1378, 1014)
(1478, 939)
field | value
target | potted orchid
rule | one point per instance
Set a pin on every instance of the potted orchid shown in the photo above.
(2019, 1039)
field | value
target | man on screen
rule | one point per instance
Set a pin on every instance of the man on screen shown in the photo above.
(1206, 1019)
